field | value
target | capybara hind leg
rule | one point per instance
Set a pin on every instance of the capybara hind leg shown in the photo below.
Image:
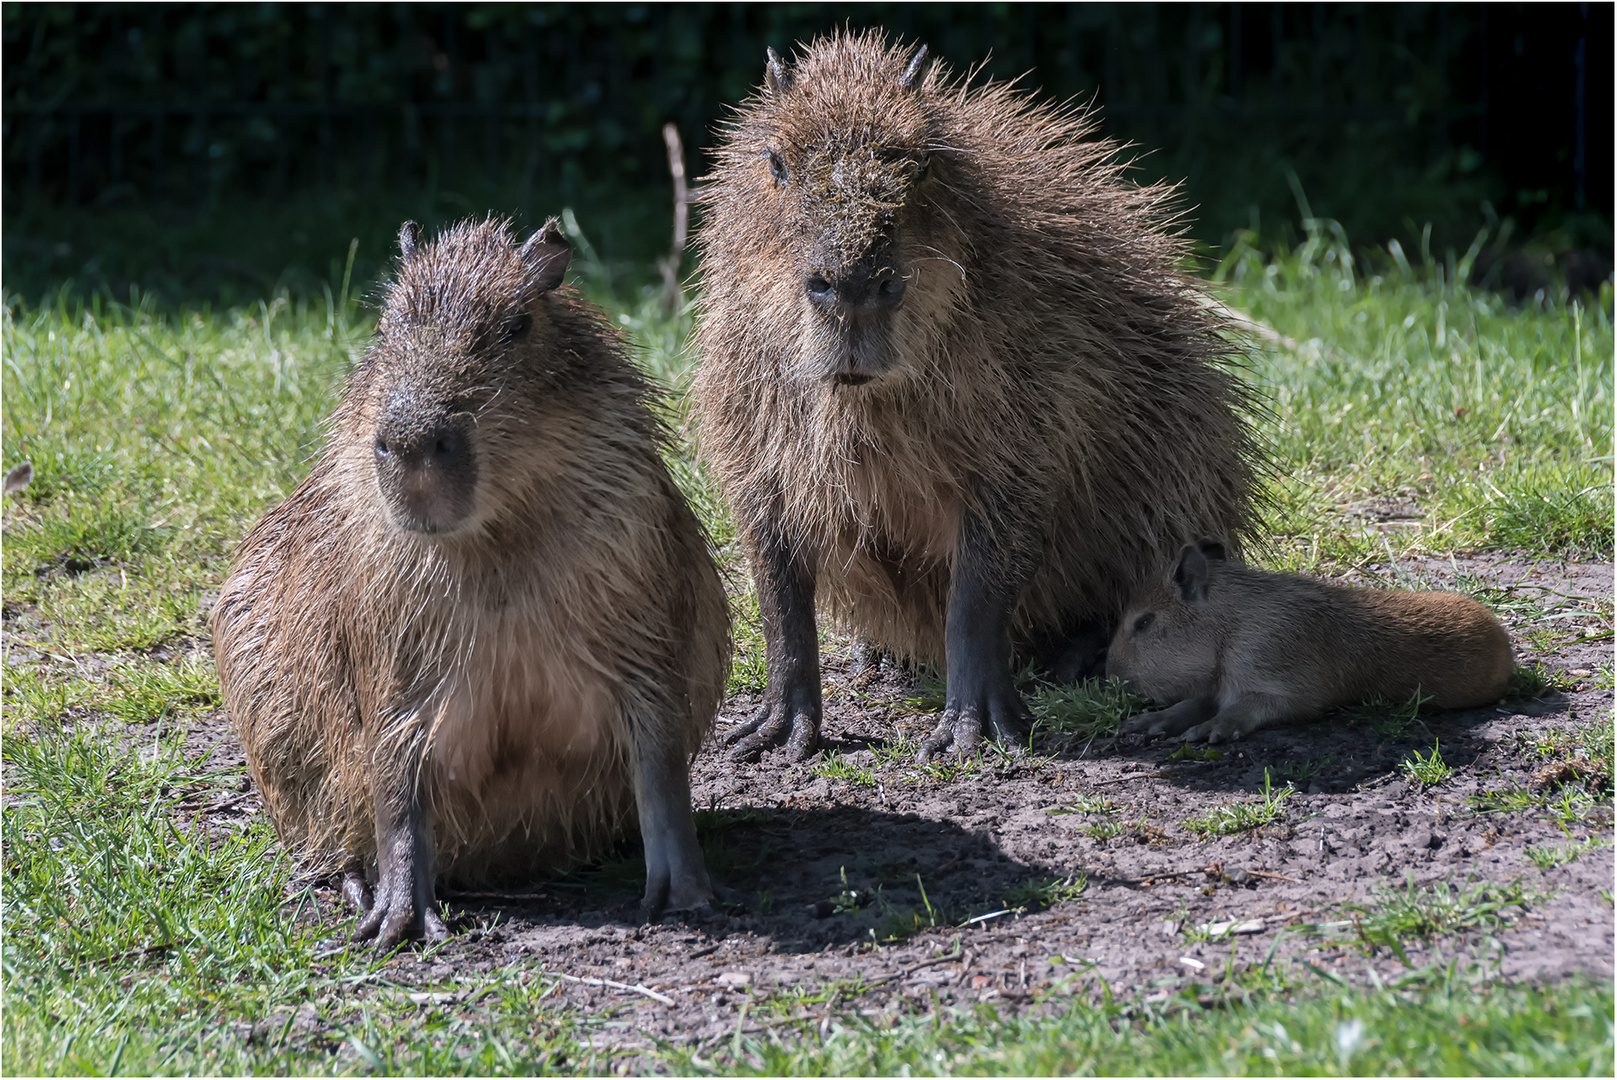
(676, 874)
(1172, 720)
(406, 904)
(792, 707)
(981, 698)
(1080, 656)
(1239, 718)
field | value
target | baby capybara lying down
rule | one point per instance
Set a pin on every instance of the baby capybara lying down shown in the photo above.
(486, 631)
(1229, 649)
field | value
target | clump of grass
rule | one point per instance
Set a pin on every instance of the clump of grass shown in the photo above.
(1237, 817)
(1087, 803)
(1299, 773)
(1395, 916)
(1549, 856)
(1036, 894)
(1427, 770)
(838, 766)
(1392, 722)
(1082, 712)
(1532, 680)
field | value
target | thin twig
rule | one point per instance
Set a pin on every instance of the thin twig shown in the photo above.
(1277, 877)
(636, 989)
(682, 210)
(497, 896)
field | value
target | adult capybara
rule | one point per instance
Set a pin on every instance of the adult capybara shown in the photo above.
(1230, 649)
(953, 383)
(486, 629)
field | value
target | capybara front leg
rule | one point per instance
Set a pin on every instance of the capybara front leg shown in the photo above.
(981, 697)
(406, 905)
(790, 715)
(676, 874)
(1239, 718)
(1172, 720)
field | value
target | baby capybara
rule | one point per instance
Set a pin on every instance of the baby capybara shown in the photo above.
(953, 382)
(1229, 649)
(486, 629)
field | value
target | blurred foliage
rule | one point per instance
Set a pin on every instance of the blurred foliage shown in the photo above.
(1386, 118)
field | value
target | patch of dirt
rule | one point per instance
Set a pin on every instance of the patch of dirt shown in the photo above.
(928, 889)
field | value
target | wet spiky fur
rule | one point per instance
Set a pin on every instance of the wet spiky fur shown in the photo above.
(1048, 356)
(518, 658)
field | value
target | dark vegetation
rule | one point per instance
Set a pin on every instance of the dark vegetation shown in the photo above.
(215, 151)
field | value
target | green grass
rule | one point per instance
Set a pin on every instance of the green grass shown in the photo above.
(1430, 1025)
(1394, 382)
(1398, 917)
(1228, 819)
(1549, 856)
(1426, 770)
(138, 941)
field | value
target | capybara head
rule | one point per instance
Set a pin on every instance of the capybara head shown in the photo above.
(836, 173)
(1168, 642)
(444, 403)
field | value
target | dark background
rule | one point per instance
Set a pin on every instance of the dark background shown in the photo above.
(213, 151)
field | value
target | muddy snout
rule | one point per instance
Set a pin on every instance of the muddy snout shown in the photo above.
(426, 468)
(855, 305)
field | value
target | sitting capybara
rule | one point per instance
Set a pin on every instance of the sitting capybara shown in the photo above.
(1229, 649)
(953, 383)
(486, 629)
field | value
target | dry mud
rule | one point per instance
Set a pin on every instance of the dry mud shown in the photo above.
(819, 871)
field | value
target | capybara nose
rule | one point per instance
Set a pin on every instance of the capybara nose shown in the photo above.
(858, 289)
(442, 446)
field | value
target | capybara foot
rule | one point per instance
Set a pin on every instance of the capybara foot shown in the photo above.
(388, 925)
(961, 729)
(770, 727)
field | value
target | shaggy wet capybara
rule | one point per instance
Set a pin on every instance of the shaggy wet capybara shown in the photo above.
(954, 383)
(486, 629)
(1230, 649)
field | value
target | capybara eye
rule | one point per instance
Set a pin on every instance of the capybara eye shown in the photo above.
(1143, 623)
(777, 168)
(516, 327)
(381, 448)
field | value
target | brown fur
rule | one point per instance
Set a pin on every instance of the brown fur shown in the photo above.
(1234, 649)
(1049, 368)
(523, 659)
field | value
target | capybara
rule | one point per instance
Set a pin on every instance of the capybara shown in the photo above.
(486, 629)
(953, 383)
(1230, 649)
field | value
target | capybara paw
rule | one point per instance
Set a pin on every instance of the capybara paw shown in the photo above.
(771, 727)
(388, 925)
(962, 730)
(1216, 731)
(1160, 722)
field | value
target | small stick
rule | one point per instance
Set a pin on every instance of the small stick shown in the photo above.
(682, 210)
(497, 896)
(1277, 877)
(636, 989)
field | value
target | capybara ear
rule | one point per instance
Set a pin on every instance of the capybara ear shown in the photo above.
(1213, 550)
(409, 238)
(777, 80)
(546, 255)
(1189, 574)
(915, 70)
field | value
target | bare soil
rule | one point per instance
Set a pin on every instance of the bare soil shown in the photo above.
(825, 877)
